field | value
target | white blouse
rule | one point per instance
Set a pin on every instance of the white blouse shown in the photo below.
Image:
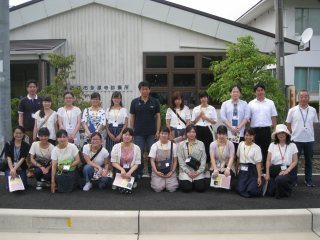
(50, 123)
(174, 119)
(209, 111)
(282, 155)
(116, 116)
(249, 154)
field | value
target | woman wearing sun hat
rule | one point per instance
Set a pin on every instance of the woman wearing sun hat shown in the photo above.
(282, 158)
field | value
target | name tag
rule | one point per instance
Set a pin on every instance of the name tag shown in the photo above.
(179, 127)
(66, 167)
(126, 165)
(69, 128)
(283, 167)
(244, 168)
(167, 164)
(188, 159)
(115, 124)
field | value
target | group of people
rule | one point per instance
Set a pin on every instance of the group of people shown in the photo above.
(183, 154)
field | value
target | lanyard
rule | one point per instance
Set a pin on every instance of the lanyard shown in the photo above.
(16, 153)
(69, 115)
(189, 146)
(304, 119)
(246, 155)
(282, 156)
(116, 115)
(220, 152)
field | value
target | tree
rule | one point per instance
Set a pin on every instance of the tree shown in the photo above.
(62, 82)
(246, 66)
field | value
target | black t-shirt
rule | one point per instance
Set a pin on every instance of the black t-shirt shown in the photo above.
(145, 116)
(29, 107)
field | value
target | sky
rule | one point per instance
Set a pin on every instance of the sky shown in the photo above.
(230, 9)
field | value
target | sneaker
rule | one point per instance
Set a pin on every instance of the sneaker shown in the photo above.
(114, 187)
(38, 188)
(87, 187)
(135, 185)
(310, 184)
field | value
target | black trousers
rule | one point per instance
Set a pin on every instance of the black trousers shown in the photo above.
(198, 185)
(204, 135)
(263, 139)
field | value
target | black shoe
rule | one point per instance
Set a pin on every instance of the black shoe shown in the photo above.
(310, 184)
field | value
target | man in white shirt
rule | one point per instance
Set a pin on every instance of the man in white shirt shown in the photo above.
(300, 122)
(263, 115)
(234, 114)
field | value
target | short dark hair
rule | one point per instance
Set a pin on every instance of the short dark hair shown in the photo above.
(222, 129)
(261, 85)
(44, 132)
(95, 95)
(203, 94)
(165, 130)
(61, 133)
(144, 84)
(68, 92)
(190, 127)
(249, 130)
(128, 130)
(32, 82)
(177, 95)
(234, 86)
(96, 134)
(22, 129)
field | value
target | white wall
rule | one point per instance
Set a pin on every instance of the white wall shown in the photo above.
(109, 44)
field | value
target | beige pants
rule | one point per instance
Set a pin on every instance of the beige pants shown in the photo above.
(159, 184)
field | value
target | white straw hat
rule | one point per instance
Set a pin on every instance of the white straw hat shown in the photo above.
(281, 128)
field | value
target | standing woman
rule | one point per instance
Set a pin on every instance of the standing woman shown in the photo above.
(163, 157)
(222, 154)
(65, 158)
(204, 116)
(126, 156)
(16, 152)
(250, 158)
(47, 118)
(192, 161)
(117, 120)
(94, 117)
(40, 156)
(178, 116)
(281, 160)
(69, 118)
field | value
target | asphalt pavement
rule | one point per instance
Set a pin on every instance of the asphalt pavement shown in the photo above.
(143, 198)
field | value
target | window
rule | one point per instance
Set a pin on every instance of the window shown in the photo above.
(307, 18)
(185, 72)
(307, 78)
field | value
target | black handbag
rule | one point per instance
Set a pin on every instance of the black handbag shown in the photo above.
(274, 170)
(165, 166)
(192, 162)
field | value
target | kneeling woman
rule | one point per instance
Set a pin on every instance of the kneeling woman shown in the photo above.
(16, 152)
(65, 158)
(97, 161)
(282, 158)
(126, 156)
(192, 161)
(163, 156)
(40, 156)
(250, 157)
(222, 154)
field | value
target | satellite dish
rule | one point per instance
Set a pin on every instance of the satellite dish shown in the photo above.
(306, 35)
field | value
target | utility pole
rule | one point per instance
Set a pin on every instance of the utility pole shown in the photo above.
(278, 7)
(5, 90)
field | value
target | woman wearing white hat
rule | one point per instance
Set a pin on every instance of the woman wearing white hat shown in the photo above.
(282, 158)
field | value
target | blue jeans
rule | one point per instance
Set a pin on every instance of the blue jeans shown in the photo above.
(38, 174)
(23, 176)
(145, 143)
(88, 172)
(307, 148)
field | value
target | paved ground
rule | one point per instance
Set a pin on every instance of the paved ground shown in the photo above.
(145, 199)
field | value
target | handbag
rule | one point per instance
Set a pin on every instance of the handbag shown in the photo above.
(165, 166)
(192, 162)
(3, 160)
